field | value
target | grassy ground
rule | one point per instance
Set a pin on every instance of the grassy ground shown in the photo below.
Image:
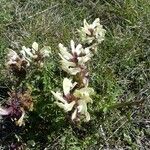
(119, 72)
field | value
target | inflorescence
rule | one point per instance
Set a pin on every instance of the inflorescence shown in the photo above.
(74, 60)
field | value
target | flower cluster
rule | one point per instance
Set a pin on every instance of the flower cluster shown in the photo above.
(35, 54)
(19, 62)
(76, 93)
(17, 105)
(92, 34)
(75, 100)
(74, 63)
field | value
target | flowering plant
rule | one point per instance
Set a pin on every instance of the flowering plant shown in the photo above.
(76, 93)
(22, 64)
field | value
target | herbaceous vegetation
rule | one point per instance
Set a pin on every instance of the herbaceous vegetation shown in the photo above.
(84, 83)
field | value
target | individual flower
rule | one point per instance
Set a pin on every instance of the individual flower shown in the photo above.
(17, 106)
(74, 61)
(69, 67)
(28, 54)
(81, 110)
(92, 33)
(83, 96)
(65, 100)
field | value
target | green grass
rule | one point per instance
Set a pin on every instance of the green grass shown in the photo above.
(119, 71)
